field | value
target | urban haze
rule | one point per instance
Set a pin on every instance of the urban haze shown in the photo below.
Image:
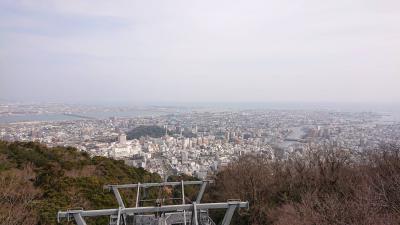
(281, 112)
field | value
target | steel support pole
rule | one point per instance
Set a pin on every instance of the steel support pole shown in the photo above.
(79, 219)
(183, 201)
(119, 216)
(229, 213)
(201, 192)
(194, 215)
(118, 197)
(137, 195)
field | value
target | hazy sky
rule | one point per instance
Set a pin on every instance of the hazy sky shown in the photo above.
(200, 51)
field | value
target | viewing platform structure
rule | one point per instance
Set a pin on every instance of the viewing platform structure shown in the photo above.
(192, 213)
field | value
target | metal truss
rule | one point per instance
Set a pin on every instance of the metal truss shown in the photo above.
(195, 213)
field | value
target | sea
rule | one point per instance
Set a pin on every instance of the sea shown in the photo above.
(63, 117)
(390, 112)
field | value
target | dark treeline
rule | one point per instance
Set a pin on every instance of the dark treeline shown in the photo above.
(323, 186)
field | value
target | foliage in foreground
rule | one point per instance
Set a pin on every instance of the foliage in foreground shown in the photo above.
(323, 186)
(36, 182)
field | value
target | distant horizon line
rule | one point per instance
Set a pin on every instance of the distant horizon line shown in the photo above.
(241, 105)
(198, 102)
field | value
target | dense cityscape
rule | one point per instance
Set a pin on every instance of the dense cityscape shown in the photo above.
(199, 112)
(194, 141)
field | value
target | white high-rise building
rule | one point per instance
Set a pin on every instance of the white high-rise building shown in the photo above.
(122, 139)
(184, 157)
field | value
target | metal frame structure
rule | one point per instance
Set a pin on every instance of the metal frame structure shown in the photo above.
(195, 213)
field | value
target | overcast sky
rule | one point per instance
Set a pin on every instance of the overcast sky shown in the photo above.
(200, 51)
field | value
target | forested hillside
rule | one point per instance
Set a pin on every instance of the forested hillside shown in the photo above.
(154, 131)
(143, 131)
(322, 186)
(36, 182)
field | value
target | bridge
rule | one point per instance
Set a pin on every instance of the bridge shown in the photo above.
(79, 116)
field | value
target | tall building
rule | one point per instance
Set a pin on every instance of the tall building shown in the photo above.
(184, 157)
(122, 139)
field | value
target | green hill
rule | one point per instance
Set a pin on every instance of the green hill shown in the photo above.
(143, 131)
(37, 181)
(154, 132)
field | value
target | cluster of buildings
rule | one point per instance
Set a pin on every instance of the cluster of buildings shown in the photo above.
(198, 143)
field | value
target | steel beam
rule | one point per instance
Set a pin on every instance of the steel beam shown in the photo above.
(118, 197)
(195, 221)
(137, 195)
(119, 216)
(78, 219)
(154, 184)
(229, 213)
(183, 202)
(167, 208)
(201, 192)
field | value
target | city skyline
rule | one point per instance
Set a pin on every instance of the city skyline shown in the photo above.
(199, 112)
(181, 51)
